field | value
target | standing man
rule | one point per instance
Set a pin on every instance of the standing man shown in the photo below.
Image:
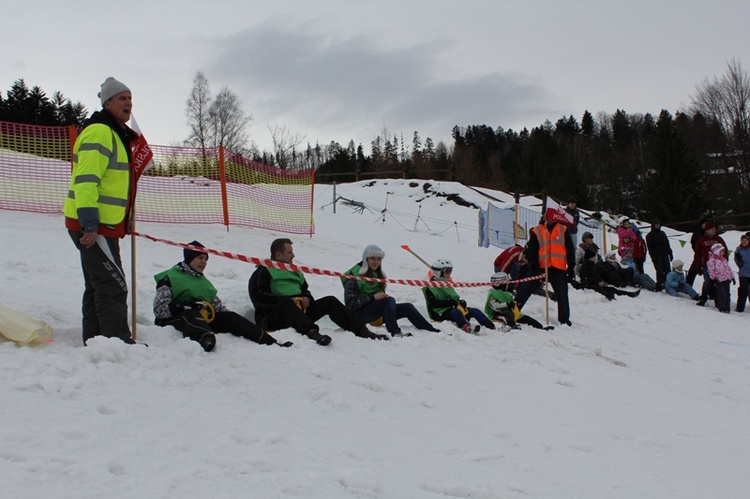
(549, 248)
(572, 210)
(281, 299)
(661, 252)
(98, 211)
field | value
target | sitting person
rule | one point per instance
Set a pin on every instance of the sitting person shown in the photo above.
(187, 300)
(587, 242)
(675, 282)
(282, 299)
(592, 277)
(368, 302)
(640, 279)
(500, 306)
(616, 274)
(444, 304)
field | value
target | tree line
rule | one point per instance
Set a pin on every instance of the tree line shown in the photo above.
(22, 104)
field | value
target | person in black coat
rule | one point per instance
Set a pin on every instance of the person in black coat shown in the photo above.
(660, 251)
(592, 277)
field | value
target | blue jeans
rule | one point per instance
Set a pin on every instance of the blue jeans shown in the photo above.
(390, 311)
(687, 289)
(454, 315)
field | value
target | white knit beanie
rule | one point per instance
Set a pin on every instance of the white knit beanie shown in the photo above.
(371, 250)
(110, 88)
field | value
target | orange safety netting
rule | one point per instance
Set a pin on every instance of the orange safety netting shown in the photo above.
(185, 185)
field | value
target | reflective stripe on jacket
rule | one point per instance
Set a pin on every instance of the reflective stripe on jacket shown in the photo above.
(551, 247)
(100, 180)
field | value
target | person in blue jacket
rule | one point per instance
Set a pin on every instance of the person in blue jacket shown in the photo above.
(675, 282)
(742, 259)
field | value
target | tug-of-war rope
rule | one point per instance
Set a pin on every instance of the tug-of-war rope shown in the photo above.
(312, 270)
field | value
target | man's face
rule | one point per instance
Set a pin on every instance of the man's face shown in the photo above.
(286, 256)
(120, 106)
(711, 232)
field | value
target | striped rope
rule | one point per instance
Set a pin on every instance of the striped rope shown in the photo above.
(312, 270)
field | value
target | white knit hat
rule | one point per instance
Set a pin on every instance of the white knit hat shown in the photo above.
(677, 263)
(371, 250)
(110, 88)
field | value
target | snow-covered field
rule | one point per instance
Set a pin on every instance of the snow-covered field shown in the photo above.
(645, 397)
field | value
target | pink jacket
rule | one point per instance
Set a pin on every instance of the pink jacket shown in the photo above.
(622, 245)
(718, 266)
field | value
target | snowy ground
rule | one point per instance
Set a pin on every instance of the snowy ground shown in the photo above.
(646, 397)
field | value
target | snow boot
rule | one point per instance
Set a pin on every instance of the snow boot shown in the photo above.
(320, 339)
(208, 341)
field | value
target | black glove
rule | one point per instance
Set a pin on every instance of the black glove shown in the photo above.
(196, 305)
(680, 285)
(286, 344)
(176, 308)
(462, 302)
(454, 303)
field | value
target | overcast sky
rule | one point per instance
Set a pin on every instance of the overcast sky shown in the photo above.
(341, 70)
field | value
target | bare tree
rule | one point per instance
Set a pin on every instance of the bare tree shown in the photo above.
(197, 113)
(726, 100)
(284, 145)
(228, 121)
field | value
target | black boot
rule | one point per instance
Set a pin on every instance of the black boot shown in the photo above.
(208, 341)
(320, 339)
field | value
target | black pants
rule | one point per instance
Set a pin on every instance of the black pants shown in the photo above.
(192, 325)
(287, 314)
(742, 293)
(559, 281)
(662, 267)
(693, 272)
(105, 292)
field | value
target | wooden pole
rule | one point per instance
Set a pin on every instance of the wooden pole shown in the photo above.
(133, 307)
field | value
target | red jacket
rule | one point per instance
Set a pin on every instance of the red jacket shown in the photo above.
(703, 248)
(507, 257)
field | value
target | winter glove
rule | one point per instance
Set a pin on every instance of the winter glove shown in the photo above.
(286, 344)
(681, 285)
(462, 303)
(176, 308)
(454, 303)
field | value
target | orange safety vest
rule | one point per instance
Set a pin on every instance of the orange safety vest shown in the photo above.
(552, 247)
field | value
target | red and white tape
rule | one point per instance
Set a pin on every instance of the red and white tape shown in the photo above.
(312, 270)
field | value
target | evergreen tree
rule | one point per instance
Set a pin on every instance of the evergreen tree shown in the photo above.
(675, 187)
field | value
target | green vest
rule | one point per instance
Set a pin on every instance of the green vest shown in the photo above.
(502, 297)
(442, 294)
(100, 177)
(286, 282)
(366, 288)
(187, 287)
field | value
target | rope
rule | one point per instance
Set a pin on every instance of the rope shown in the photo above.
(312, 270)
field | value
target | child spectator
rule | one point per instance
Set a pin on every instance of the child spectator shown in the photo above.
(675, 282)
(721, 274)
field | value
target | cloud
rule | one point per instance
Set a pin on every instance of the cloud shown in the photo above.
(353, 86)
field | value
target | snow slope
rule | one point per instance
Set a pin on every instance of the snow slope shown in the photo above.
(646, 397)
